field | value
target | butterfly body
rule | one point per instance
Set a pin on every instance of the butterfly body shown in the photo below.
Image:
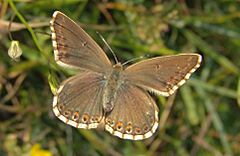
(113, 82)
(105, 93)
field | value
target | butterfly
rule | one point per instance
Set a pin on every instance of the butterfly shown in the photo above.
(111, 94)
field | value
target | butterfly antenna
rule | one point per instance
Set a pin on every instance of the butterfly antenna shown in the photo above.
(114, 55)
(134, 59)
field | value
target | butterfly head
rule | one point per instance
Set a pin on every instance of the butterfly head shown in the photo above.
(118, 66)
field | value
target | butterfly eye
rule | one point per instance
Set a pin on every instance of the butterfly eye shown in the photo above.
(92, 119)
(84, 43)
(104, 77)
(129, 129)
(75, 116)
(145, 128)
(112, 123)
(137, 130)
(67, 113)
(85, 118)
(108, 121)
(96, 118)
(60, 107)
(119, 126)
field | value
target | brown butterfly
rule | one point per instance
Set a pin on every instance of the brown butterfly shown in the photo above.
(108, 93)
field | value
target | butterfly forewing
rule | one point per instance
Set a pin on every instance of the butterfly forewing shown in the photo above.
(73, 47)
(135, 114)
(163, 75)
(79, 100)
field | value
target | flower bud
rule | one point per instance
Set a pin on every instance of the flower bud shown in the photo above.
(15, 51)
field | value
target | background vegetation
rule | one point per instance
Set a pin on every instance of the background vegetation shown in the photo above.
(202, 119)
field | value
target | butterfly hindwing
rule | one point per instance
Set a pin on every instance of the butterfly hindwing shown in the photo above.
(135, 114)
(79, 100)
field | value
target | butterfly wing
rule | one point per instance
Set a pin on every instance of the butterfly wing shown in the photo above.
(135, 114)
(73, 47)
(79, 100)
(163, 75)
